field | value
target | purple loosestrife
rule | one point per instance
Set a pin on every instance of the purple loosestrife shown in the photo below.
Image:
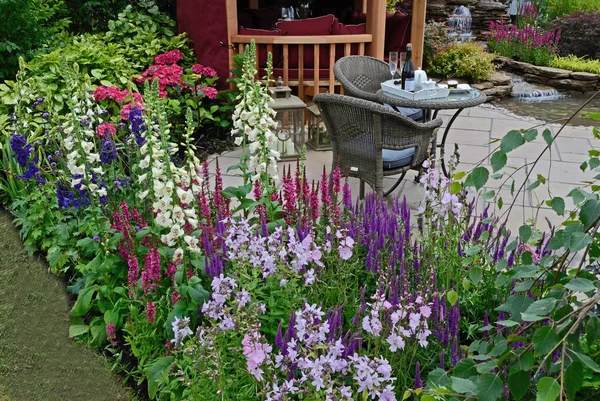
(418, 381)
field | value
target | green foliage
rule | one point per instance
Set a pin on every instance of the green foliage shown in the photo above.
(27, 28)
(436, 39)
(550, 10)
(110, 58)
(574, 63)
(462, 60)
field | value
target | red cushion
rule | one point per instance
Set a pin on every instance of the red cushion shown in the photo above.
(341, 29)
(262, 49)
(397, 32)
(264, 18)
(362, 18)
(307, 27)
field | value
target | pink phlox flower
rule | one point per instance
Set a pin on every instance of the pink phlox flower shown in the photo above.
(256, 354)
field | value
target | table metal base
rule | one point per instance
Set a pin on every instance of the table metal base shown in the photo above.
(442, 144)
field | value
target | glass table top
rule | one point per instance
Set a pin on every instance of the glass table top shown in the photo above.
(469, 98)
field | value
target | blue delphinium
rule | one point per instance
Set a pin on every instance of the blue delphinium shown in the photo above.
(137, 124)
(108, 152)
(22, 150)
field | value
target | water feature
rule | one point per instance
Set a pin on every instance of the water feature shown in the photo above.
(547, 104)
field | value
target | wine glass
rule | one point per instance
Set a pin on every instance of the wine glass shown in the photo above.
(393, 63)
(284, 13)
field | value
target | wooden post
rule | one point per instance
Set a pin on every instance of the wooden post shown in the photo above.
(254, 4)
(417, 33)
(376, 27)
(232, 29)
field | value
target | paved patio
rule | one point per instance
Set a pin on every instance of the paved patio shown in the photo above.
(473, 131)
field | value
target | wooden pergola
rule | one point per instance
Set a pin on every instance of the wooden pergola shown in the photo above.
(373, 41)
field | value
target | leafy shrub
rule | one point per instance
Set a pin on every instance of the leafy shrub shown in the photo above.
(550, 10)
(94, 15)
(580, 34)
(436, 39)
(27, 26)
(462, 60)
(529, 44)
(574, 63)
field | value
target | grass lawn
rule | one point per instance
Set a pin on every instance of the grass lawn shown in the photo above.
(38, 361)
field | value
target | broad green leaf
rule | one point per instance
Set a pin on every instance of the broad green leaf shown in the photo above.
(516, 304)
(84, 300)
(587, 361)
(541, 307)
(452, 297)
(489, 387)
(518, 383)
(583, 166)
(544, 340)
(498, 160)
(437, 378)
(500, 203)
(459, 175)
(581, 285)
(455, 188)
(78, 330)
(530, 135)
(511, 141)
(486, 367)
(478, 178)
(548, 389)
(589, 212)
(525, 233)
(573, 379)
(157, 372)
(547, 135)
(464, 369)
(558, 205)
(463, 386)
(578, 241)
(474, 250)
(488, 195)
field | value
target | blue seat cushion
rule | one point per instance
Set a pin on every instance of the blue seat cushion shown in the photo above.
(413, 114)
(397, 158)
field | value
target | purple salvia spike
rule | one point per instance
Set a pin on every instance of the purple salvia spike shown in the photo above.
(418, 381)
(443, 359)
(279, 336)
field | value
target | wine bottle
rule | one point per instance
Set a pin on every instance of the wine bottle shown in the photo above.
(408, 71)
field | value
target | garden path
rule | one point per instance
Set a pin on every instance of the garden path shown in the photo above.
(472, 132)
(38, 361)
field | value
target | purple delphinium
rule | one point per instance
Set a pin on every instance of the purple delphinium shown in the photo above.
(108, 152)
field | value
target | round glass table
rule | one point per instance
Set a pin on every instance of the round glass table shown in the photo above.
(458, 101)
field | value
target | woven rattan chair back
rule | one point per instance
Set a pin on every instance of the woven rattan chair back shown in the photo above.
(361, 76)
(361, 129)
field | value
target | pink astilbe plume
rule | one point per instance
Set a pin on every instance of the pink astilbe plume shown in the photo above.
(151, 270)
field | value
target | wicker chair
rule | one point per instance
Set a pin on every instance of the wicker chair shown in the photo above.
(361, 76)
(370, 141)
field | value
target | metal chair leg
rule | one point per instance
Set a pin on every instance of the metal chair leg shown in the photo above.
(395, 185)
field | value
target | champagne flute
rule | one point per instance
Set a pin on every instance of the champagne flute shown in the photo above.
(393, 63)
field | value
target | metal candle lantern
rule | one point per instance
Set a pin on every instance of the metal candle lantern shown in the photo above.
(318, 138)
(290, 122)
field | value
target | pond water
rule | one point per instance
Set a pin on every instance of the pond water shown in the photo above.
(547, 104)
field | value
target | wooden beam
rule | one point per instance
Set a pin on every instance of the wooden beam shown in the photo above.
(376, 27)
(254, 4)
(417, 33)
(232, 28)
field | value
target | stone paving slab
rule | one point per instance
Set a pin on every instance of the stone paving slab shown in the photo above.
(472, 131)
